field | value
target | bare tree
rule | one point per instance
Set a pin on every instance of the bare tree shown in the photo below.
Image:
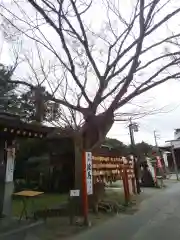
(97, 65)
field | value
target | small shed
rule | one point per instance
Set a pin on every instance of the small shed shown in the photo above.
(167, 148)
(12, 127)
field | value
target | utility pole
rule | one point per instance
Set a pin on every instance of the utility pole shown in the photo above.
(155, 139)
(133, 127)
(156, 143)
(158, 151)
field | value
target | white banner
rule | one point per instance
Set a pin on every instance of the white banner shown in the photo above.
(151, 169)
(89, 176)
(10, 164)
(165, 159)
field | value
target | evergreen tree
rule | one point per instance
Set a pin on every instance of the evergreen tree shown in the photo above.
(31, 105)
(8, 96)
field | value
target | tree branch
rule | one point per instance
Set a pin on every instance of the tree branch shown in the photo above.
(85, 42)
(50, 97)
(60, 33)
(134, 65)
(156, 26)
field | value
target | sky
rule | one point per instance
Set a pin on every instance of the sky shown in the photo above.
(165, 96)
(164, 123)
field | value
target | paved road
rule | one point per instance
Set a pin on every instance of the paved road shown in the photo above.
(159, 218)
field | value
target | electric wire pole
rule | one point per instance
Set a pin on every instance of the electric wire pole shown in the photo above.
(156, 144)
(155, 139)
(158, 151)
(133, 127)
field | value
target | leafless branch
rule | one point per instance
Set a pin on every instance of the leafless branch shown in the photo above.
(96, 67)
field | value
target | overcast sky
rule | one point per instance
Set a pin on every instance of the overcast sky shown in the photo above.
(166, 95)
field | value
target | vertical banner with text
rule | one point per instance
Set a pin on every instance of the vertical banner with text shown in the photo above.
(10, 164)
(89, 176)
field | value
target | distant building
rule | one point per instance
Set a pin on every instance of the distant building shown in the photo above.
(177, 134)
(166, 148)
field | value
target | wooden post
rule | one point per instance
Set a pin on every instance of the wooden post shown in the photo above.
(126, 186)
(155, 175)
(174, 161)
(133, 185)
(2, 175)
(125, 190)
(84, 188)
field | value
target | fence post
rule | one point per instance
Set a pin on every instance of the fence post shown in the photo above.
(133, 185)
(126, 185)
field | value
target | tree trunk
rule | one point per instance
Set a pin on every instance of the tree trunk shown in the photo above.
(91, 137)
(95, 130)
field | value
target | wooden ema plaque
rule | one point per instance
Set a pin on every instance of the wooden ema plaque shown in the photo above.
(111, 168)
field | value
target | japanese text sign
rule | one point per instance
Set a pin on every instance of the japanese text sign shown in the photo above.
(89, 177)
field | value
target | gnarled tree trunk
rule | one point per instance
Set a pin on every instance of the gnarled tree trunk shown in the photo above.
(90, 138)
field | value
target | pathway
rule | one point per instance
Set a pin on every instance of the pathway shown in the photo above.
(158, 218)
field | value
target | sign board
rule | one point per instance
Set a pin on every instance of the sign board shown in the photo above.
(10, 164)
(75, 193)
(89, 176)
(135, 127)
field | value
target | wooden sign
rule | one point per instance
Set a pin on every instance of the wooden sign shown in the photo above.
(75, 193)
(89, 176)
